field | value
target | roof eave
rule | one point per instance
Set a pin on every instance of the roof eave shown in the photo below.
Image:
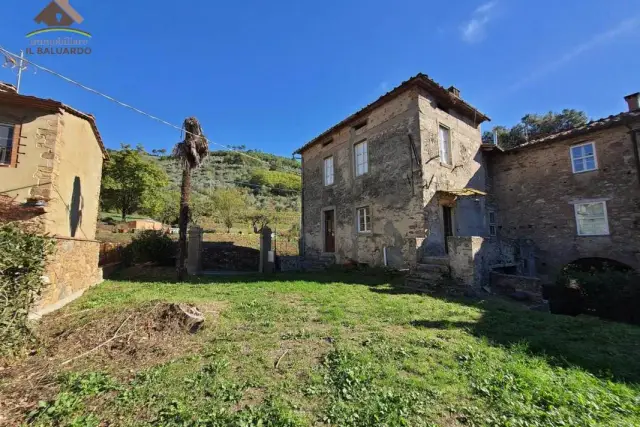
(421, 80)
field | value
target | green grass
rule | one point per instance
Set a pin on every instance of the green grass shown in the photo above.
(352, 350)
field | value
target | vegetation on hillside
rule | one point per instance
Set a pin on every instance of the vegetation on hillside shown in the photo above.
(533, 126)
(263, 183)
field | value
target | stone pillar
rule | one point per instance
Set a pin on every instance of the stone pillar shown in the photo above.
(194, 250)
(267, 260)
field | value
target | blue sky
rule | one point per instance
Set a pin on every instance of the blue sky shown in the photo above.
(272, 75)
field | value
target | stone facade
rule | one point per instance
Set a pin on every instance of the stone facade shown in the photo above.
(534, 191)
(57, 160)
(406, 183)
(72, 269)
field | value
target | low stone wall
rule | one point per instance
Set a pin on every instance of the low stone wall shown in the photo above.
(506, 284)
(72, 269)
(290, 263)
(228, 257)
(465, 259)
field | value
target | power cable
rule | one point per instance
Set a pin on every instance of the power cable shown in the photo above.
(123, 104)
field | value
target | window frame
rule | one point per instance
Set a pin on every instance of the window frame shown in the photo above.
(572, 159)
(367, 219)
(15, 142)
(605, 217)
(450, 143)
(324, 169)
(492, 224)
(365, 143)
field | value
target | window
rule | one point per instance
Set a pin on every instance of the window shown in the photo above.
(328, 171)
(364, 220)
(492, 223)
(583, 157)
(591, 219)
(444, 135)
(6, 144)
(362, 158)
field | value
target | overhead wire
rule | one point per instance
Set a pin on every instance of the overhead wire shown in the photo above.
(123, 104)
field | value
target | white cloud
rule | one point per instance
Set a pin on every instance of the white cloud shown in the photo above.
(601, 39)
(474, 30)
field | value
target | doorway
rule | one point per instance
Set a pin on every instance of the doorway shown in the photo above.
(447, 215)
(329, 231)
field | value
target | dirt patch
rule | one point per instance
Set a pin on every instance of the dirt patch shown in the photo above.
(120, 343)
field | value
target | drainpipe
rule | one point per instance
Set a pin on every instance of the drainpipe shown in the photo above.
(384, 251)
(636, 155)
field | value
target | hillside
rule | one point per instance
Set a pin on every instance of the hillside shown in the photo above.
(272, 183)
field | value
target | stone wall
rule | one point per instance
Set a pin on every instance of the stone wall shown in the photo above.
(466, 259)
(535, 189)
(71, 270)
(468, 170)
(391, 188)
(227, 257)
(507, 284)
(289, 263)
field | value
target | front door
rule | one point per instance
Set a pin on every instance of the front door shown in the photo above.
(329, 232)
(447, 214)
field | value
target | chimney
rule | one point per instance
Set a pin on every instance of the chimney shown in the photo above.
(454, 90)
(7, 87)
(633, 101)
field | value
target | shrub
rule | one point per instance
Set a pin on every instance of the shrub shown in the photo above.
(151, 246)
(22, 263)
(609, 293)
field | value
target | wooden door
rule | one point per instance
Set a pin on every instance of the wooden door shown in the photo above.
(447, 214)
(329, 232)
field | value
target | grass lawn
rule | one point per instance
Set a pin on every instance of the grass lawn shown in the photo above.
(337, 349)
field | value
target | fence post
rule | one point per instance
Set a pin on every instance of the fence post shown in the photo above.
(267, 262)
(194, 250)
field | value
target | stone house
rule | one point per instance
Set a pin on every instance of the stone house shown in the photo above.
(51, 159)
(407, 182)
(575, 194)
(397, 182)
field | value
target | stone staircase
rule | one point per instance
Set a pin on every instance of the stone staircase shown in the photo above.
(318, 264)
(428, 272)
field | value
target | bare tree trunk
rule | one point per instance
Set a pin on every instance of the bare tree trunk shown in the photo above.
(185, 193)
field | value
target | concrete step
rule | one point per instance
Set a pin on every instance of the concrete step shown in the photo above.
(433, 268)
(435, 260)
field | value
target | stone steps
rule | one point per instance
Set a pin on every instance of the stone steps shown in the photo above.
(435, 260)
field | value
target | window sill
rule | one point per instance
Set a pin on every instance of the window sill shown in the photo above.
(447, 165)
(587, 171)
(594, 235)
(365, 233)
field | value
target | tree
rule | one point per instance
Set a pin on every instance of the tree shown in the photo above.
(258, 221)
(533, 126)
(229, 204)
(190, 152)
(129, 181)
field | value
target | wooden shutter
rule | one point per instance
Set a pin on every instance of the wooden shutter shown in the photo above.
(15, 144)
